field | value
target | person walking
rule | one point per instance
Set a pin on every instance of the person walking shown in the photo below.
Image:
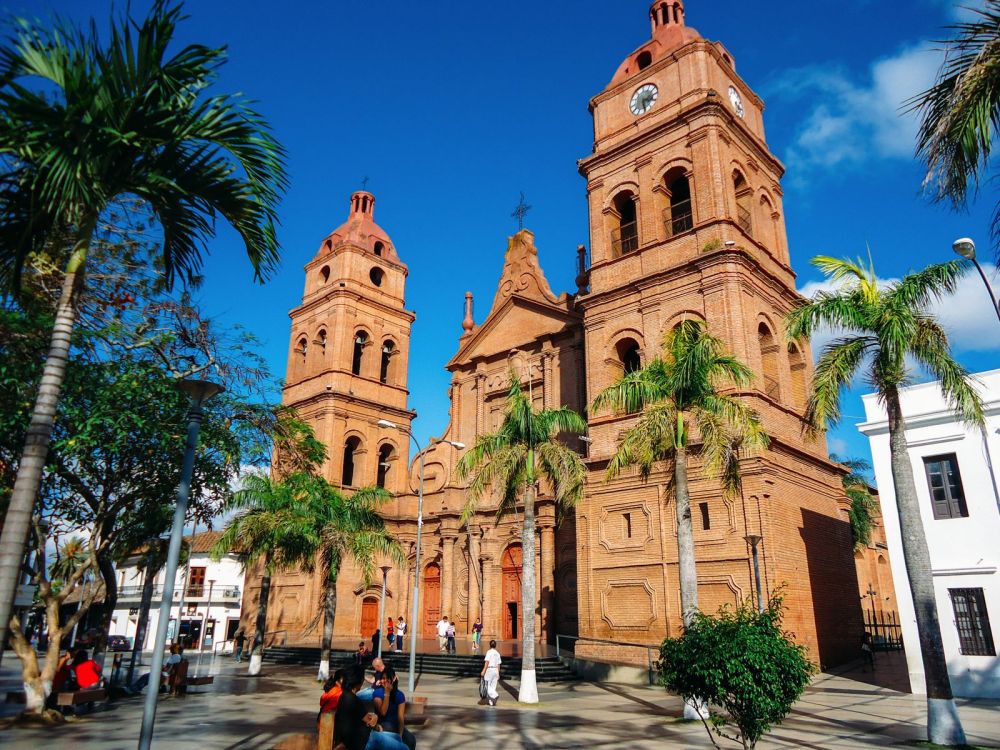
(400, 632)
(491, 673)
(390, 634)
(442, 633)
(451, 637)
(477, 635)
(239, 641)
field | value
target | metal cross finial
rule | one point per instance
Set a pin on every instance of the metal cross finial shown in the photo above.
(519, 212)
(364, 182)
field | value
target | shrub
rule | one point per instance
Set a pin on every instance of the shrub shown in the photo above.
(739, 660)
(712, 245)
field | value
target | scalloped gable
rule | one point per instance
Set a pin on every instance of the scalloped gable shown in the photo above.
(522, 276)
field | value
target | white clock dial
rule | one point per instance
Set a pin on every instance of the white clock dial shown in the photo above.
(736, 101)
(643, 99)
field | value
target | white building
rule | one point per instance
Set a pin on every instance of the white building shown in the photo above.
(956, 478)
(212, 595)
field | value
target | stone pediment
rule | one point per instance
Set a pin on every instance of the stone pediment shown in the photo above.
(515, 324)
(522, 276)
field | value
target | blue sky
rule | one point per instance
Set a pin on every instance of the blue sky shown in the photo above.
(453, 108)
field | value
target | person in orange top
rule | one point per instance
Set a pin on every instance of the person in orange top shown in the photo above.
(390, 633)
(88, 673)
(332, 690)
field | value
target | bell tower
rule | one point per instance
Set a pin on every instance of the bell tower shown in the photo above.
(347, 358)
(686, 221)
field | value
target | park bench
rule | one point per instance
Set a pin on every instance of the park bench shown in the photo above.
(81, 697)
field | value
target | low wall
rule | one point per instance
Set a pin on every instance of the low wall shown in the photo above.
(600, 671)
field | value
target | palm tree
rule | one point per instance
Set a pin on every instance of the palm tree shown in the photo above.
(864, 506)
(882, 327)
(509, 463)
(960, 113)
(677, 394)
(347, 528)
(83, 124)
(72, 554)
(273, 528)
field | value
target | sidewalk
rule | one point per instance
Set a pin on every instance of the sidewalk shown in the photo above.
(836, 713)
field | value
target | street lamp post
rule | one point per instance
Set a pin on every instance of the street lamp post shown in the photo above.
(199, 391)
(415, 607)
(381, 609)
(966, 248)
(204, 630)
(753, 540)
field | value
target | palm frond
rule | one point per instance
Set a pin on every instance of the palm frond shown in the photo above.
(917, 290)
(930, 347)
(840, 361)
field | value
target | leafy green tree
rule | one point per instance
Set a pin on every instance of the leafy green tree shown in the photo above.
(273, 528)
(741, 661)
(508, 464)
(347, 528)
(960, 113)
(883, 327)
(84, 122)
(678, 397)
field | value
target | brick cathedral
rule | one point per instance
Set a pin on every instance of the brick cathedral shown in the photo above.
(686, 221)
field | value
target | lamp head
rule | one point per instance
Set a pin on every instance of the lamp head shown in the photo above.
(200, 391)
(964, 247)
(386, 423)
(753, 539)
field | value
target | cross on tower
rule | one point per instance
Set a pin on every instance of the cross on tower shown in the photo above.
(519, 212)
(364, 182)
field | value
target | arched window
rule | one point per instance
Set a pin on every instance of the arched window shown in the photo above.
(628, 355)
(320, 341)
(350, 454)
(325, 273)
(360, 342)
(376, 275)
(302, 347)
(625, 234)
(744, 203)
(797, 367)
(387, 351)
(384, 456)
(379, 248)
(677, 216)
(769, 360)
(644, 60)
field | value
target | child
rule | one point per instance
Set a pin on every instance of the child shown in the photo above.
(451, 637)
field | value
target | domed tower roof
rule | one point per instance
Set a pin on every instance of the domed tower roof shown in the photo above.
(666, 18)
(361, 230)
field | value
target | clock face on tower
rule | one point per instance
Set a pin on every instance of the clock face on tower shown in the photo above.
(736, 100)
(643, 99)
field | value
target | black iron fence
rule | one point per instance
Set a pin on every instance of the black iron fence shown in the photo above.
(884, 631)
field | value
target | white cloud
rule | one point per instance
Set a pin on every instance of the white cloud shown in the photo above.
(964, 10)
(856, 118)
(838, 446)
(967, 316)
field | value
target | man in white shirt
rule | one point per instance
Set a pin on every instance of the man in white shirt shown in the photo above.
(442, 633)
(400, 632)
(491, 673)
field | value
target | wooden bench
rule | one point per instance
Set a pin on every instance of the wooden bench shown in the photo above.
(17, 696)
(80, 697)
(207, 679)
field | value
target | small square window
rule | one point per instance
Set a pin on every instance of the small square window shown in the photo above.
(627, 525)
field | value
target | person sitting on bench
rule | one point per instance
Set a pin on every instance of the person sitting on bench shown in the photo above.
(354, 725)
(168, 668)
(87, 671)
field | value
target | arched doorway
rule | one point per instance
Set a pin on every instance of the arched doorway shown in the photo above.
(369, 616)
(432, 598)
(511, 565)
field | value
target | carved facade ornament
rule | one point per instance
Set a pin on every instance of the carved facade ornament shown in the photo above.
(522, 276)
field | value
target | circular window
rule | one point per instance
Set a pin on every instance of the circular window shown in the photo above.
(376, 275)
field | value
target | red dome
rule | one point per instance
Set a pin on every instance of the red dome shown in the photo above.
(361, 230)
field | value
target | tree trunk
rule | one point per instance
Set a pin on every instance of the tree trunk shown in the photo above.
(145, 604)
(257, 651)
(685, 539)
(528, 689)
(107, 569)
(330, 612)
(943, 724)
(17, 520)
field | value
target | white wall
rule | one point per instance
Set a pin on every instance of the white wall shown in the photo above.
(965, 552)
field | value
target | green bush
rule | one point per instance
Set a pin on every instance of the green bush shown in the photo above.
(741, 661)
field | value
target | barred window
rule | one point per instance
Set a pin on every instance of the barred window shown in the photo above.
(945, 483)
(973, 622)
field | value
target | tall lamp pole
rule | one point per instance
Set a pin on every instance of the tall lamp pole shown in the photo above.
(381, 608)
(753, 540)
(199, 391)
(966, 248)
(415, 608)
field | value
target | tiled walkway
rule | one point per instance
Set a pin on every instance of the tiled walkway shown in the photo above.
(243, 713)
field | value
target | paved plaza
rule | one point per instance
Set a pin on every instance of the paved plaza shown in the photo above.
(245, 713)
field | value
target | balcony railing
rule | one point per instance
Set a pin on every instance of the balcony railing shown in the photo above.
(625, 239)
(219, 593)
(678, 218)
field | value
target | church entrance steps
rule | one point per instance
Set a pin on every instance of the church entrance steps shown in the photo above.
(547, 668)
